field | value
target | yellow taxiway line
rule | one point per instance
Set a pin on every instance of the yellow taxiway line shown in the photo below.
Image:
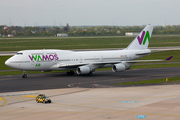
(3, 99)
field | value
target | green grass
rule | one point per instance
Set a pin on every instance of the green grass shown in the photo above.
(18, 72)
(155, 81)
(16, 44)
(27, 72)
(62, 43)
(164, 55)
(2, 63)
(156, 66)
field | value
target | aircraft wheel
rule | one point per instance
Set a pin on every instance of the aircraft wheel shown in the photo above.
(90, 74)
(24, 76)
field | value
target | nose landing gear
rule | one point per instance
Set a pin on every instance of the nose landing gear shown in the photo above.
(24, 74)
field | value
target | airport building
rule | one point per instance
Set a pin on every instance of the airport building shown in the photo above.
(131, 34)
(62, 35)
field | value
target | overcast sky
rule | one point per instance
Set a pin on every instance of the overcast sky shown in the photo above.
(89, 12)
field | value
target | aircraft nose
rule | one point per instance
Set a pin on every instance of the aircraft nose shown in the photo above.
(7, 62)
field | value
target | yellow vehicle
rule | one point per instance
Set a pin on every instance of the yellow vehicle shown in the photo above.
(43, 99)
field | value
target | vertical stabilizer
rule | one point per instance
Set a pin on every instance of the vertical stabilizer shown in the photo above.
(142, 40)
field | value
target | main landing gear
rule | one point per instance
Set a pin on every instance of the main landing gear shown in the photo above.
(90, 74)
(24, 74)
(71, 72)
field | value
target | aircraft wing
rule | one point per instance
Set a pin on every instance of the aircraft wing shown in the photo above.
(71, 65)
(92, 63)
(107, 62)
(135, 61)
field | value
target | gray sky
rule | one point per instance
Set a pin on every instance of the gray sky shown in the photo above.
(89, 12)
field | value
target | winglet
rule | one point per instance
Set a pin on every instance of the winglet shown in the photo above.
(169, 58)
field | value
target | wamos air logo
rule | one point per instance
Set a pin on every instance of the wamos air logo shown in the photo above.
(49, 57)
(143, 39)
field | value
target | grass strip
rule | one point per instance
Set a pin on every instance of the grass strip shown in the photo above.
(68, 43)
(155, 66)
(27, 72)
(2, 63)
(154, 81)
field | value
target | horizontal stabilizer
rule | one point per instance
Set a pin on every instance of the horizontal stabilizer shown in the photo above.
(169, 58)
(143, 53)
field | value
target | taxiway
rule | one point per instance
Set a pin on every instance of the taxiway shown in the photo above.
(91, 97)
(99, 79)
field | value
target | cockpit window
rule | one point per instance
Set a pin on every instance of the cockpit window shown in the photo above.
(19, 53)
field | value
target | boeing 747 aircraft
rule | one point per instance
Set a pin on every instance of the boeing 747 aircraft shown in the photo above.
(84, 62)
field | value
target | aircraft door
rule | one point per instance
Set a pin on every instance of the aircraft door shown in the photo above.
(102, 58)
(81, 59)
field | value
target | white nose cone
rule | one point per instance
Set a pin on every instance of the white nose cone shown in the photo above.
(7, 62)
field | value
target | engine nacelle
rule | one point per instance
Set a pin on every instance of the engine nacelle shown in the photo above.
(83, 70)
(118, 67)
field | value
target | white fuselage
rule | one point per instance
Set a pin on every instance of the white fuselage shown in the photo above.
(45, 60)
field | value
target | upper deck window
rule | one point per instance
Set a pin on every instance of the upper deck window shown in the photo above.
(19, 53)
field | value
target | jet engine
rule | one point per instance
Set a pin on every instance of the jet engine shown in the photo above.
(83, 70)
(118, 67)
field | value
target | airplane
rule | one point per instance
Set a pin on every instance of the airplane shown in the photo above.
(84, 62)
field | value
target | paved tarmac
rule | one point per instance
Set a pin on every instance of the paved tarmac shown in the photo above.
(120, 103)
(91, 97)
(99, 79)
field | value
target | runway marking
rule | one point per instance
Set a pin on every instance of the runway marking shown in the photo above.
(3, 99)
(14, 94)
(22, 100)
(31, 96)
(25, 100)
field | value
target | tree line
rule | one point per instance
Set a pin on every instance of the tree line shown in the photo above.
(83, 31)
